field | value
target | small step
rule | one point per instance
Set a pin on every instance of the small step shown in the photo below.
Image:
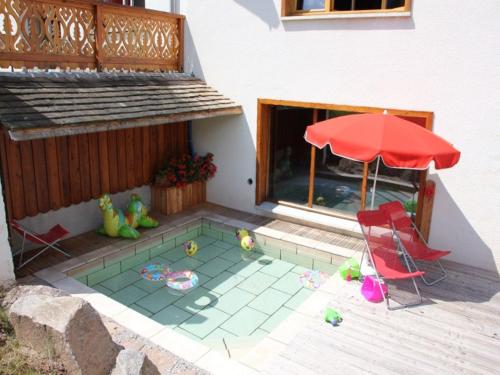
(311, 219)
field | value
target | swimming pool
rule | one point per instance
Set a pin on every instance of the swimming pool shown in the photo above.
(241, 296)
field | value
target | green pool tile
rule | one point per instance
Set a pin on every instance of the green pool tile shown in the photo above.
(212, 233)
(276, 319)
(297, 259)
(277, 268)
(104, 274)
(155, 260)
(230, 238)
(196, 300)
(245, 268)
(202, 278)
(214, 267)
(233, 300)
(149, 286)
(259, 333)
(218, 333)
(223, 245)
(224, 282)
(203, 241)
(140, 310)
(257, 283)
(171, 316)
(244, 322)
(233, 255)
(102, 290)
(129, 295)
(325, 267)
(175, 254)
(135, 260)
(269, 301)
(269, 250)
(299, 270)
(162, 249)
(158, 300)
(186, 333)
(298, 298)
(290, 283)
(121, 281)
(208, 253)
(190, 235)
(186, 263)
(203, 323)
(82, 279)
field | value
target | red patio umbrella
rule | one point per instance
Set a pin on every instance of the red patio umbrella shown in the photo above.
(398, 142)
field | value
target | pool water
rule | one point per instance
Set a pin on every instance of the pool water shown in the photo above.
(241, 296)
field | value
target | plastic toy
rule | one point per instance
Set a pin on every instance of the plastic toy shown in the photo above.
(313, 279)
(333, 317)
(241, 233)
(371, 289)
(137, 213)
(116, 224)
(247, 243)
(349, 269)
(155, 272)
(182, 280)
(190, 248)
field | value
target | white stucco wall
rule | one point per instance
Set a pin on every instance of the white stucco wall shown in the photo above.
(6, 267)
(445, 58)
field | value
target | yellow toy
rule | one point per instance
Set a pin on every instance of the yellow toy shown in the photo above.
(190, 248)
(247, 243)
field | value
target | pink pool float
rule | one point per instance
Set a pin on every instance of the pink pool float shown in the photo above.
(371, 289)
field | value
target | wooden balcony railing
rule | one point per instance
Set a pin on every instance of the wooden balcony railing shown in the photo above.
(88, 34)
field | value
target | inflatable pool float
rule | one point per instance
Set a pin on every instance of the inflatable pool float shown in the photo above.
(155, 272)
(313, 279)
(182, 280)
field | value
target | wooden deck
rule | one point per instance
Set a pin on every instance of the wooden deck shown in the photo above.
(455, 331)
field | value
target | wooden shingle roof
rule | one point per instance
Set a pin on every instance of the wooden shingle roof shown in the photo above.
(46, 104)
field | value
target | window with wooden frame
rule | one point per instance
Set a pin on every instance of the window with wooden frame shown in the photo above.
(325, 7)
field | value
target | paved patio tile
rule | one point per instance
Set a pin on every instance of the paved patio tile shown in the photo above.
(269, 301)
(290, 283)
(244, 322)
(233, 300)
(171, 316)
(224, 282)
(277, 268)
(245, 268)
(196, 300)
(121, 281)
(129, 295)
(158, 300)
(204, 322)
(257, 283)
(298, 298)
(214, 267)
(208, 253)
(275, 320)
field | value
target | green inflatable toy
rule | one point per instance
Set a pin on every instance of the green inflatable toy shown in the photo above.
(116, 224)
(137, 213)
(350, 269)
(333, 317)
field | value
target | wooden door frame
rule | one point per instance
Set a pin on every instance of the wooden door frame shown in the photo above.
(264, 107)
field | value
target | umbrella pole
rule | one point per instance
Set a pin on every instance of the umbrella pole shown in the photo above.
(375, 183)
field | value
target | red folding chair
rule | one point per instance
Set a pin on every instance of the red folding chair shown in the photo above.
(412, 240)
(49, 239)
(385, 256)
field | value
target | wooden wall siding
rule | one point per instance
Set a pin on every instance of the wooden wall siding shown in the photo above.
(78, 34)
(47, 174)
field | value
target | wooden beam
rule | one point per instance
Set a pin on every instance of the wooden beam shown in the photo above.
(364, 183)
(312, 166)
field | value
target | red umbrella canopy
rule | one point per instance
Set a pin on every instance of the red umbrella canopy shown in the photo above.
(400, 143)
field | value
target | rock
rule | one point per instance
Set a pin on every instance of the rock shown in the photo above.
(28, 290)
(67, 328)
(132, 362)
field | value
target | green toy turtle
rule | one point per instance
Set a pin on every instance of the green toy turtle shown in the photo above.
(333, 317)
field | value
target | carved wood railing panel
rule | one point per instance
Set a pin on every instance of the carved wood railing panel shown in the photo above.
(78, 34)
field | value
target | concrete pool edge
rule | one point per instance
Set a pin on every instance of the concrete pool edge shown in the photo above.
(249, 360)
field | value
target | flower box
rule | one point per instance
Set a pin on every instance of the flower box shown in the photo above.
(171, 200)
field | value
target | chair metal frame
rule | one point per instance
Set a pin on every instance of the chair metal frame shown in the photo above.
(53, 245)
(380, 278)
